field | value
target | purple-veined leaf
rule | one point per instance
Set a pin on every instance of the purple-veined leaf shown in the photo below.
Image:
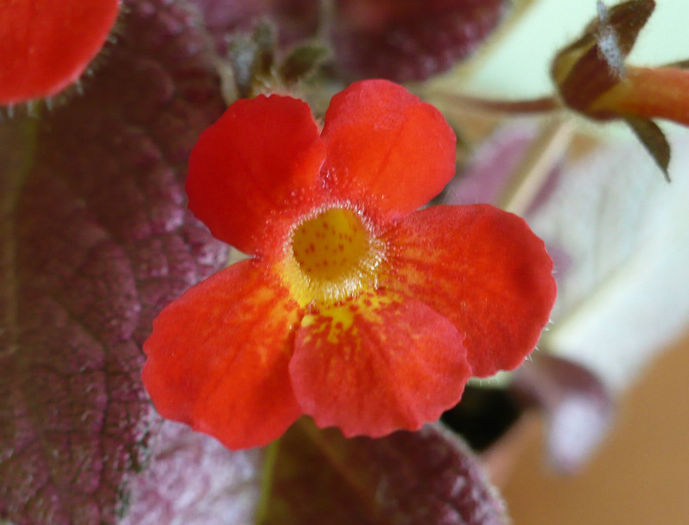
(409, 40)
(193, 479)
(95, 240)
(407, 478)
(397, 39)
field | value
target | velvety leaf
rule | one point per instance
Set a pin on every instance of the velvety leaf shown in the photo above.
(406, 478)
(95, 240)
(194, 479)
(577, 405)
(399, 40)
(622, 297)
(410, 40)
(653, 139)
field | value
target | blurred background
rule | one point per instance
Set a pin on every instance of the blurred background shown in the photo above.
(640, 474)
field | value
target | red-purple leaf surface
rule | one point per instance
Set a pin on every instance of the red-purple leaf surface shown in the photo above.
(420, 478)
(193, 479)
(95, 239)
(407, 39)
(397, 39)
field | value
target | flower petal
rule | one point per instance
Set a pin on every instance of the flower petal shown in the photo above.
(218, 358)
(254, 169)
(377, 363)
(484, 270)
(386, 147)
(45, 45)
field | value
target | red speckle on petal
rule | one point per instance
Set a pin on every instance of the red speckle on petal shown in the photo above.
(45, 45)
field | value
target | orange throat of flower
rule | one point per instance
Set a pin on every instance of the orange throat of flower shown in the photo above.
(333, 254)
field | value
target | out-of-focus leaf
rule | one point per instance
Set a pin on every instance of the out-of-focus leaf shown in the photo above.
(265, 38)
(406, 478)
(624, 295)
(577, 405)
(253, 60)
(193, 479)
(95, 239)
(295, 19)
(396, 39)
(410, 40)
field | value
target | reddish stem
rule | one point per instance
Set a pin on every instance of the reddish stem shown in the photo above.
(535, 105)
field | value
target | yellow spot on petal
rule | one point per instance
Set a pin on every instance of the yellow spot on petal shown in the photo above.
(339, 319)
(332, 255)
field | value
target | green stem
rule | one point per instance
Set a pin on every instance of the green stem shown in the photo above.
(19, 142)
(270, 455)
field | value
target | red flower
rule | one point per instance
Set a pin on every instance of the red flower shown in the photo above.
(354, 309)
(45, 45)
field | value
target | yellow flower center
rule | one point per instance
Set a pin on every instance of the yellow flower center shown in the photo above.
(333, 255)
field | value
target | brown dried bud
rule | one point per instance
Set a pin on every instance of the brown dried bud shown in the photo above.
(593, 79)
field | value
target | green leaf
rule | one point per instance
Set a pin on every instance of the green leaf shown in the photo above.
(302, 62)
(264, 37)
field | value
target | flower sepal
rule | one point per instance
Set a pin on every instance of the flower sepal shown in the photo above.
(258, 67)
